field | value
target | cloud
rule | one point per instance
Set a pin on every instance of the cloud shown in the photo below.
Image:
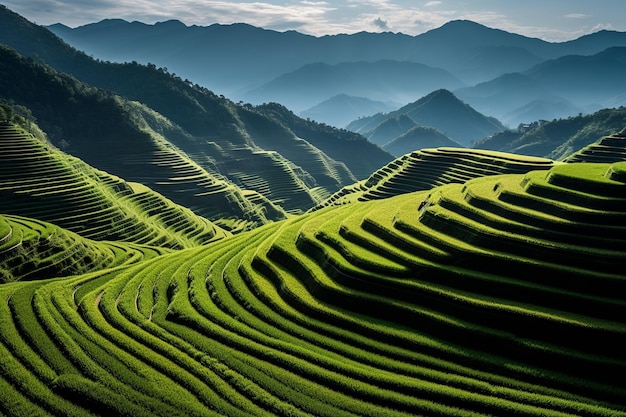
(382, 24)
(602, 26)
(324, 17)
(577, 16)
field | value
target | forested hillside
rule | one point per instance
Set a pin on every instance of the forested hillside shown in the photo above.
(234, 142)
(557, 139)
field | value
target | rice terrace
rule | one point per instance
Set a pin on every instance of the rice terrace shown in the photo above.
(256, 271)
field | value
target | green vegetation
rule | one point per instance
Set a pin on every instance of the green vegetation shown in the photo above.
(607, 149)
(435, 110)
(41, 182)
(424, 169)
(247, 164)
(456, 282)
(557, 139)
(31, 249)
(498, 296)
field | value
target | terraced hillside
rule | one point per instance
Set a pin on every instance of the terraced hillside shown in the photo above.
(424, 169)
(501, 296)
(41, 182)
(138, 144)
(31, 249)
(610, 148)
(207, 142)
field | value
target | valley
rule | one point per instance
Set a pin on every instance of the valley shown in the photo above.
(166, 250)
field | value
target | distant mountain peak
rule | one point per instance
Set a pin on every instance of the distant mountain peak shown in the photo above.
(463, 23)
(172, 23)
(441, 96)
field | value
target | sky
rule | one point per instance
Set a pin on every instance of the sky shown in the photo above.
(551, 20)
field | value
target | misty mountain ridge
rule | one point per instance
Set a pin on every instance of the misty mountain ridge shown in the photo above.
(419, 137)
(383, 80)
(341, 109)
(259, 65)
(435, 110)
(557, 139)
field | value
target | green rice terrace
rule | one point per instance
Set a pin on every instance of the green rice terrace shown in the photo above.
(39, 181)
(494, 295)
(426, 168)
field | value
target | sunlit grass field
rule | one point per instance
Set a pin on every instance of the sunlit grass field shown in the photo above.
(502, 295)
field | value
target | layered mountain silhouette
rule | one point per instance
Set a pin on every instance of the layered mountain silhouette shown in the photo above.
(440, 109)
(556, 88)
(341, 109)
(172, 44)
(381, 80)
(238, 59)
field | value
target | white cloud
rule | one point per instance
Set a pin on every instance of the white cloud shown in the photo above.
(433, 3)
(577, 16)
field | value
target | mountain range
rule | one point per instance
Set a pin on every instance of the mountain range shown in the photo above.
(187, 135)
(259, 65)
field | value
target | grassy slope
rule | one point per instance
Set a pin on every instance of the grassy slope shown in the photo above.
(31, 249)
(610, 148)
(498, 297)
(427, 168)
(39, 181)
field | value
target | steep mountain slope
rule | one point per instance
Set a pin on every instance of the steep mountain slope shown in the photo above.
(559, 138)
(585, 79)
(424, 169)
(122, 138)
(341, 109)
(499, 297)
(549, 108)
(391, 128)
(355, 152)
(381, 80)
(419, 137)
(209, 128)
(442, 110)
(40, 182)
(506, 96)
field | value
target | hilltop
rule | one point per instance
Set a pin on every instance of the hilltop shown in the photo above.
(341, 109)
(437, 110)
(419, 137)
(380, 80)
(428, 168)
(555, 88)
